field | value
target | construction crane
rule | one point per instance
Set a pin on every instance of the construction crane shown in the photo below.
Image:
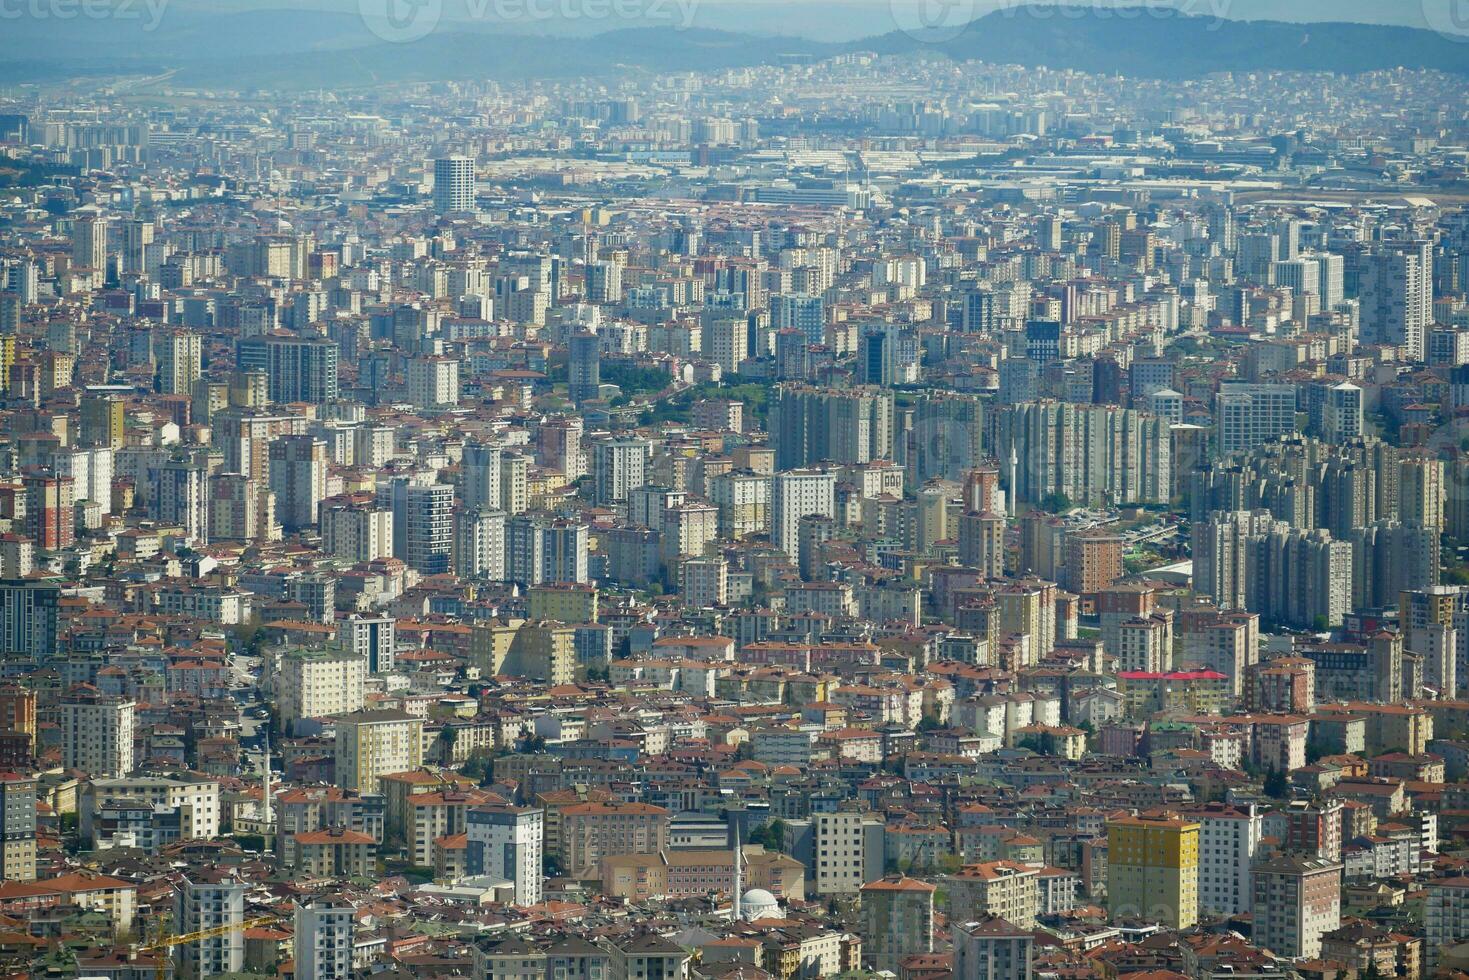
(164, 945)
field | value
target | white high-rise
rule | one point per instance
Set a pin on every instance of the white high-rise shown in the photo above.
(210, 901)
(795, 494)
(505, 841)
(453, 184)
(1396, 291)
(323, 942)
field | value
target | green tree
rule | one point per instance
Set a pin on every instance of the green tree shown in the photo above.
(1276, 785)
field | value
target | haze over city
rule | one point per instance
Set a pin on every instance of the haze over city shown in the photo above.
(734, 490)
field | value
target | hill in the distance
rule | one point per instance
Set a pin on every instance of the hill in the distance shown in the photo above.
(309, 49)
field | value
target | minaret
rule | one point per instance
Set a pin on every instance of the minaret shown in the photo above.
(1012, 494)
(738, 882)
(265, 800)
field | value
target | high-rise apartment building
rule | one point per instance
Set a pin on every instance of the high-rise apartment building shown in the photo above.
(17, 826)
(96, 732)
(815, 425)
(1248, 415)
(298, 468)
(504, 841)
(454, 185)
(794, 495)
(897, 920)
(1296, 900)
(179, 356)
(296, 369)
(322, 946)
(1396, 293)
(370, 744)
(209, 901)
(1153, 870)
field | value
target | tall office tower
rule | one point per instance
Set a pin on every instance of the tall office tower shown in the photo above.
(178, 354)
(50, 512)
(102, 418)
(210, 900)
(814, 425)
(479, 544)
(358, 530)
(96, 733)
(1396, 292)
(296, 369)
(180, 497)
(1153, 870)
(1421, 491)
(504, 842)
(322, 947)
(584, 367)
(1247, 415)
(1083, 453)
(372, 637)
(619, 465)
(727, 341)
(298, 467)
(433, 382)
(604, 282)
(897, 919)
(992, 949)
(1222, 229)
(454, 185)
(89, 243)
(17, 826)
(1297, 899)
(1341, 415)
(137, 235)
(479, 476)
(541, 549)
(794, 495)
(799, 311)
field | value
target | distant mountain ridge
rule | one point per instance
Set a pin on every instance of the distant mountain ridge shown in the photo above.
(309, 49)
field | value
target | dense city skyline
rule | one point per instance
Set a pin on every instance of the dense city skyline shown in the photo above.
(967, 495)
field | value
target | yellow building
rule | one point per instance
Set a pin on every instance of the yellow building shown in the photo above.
(1153, 870)
(564, 602)
(543, 650)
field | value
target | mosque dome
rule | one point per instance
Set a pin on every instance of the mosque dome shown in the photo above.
(757, 903)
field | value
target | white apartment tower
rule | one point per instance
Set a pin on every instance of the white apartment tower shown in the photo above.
(454, 180)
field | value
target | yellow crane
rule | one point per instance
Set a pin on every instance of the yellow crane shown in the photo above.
(164, 945)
